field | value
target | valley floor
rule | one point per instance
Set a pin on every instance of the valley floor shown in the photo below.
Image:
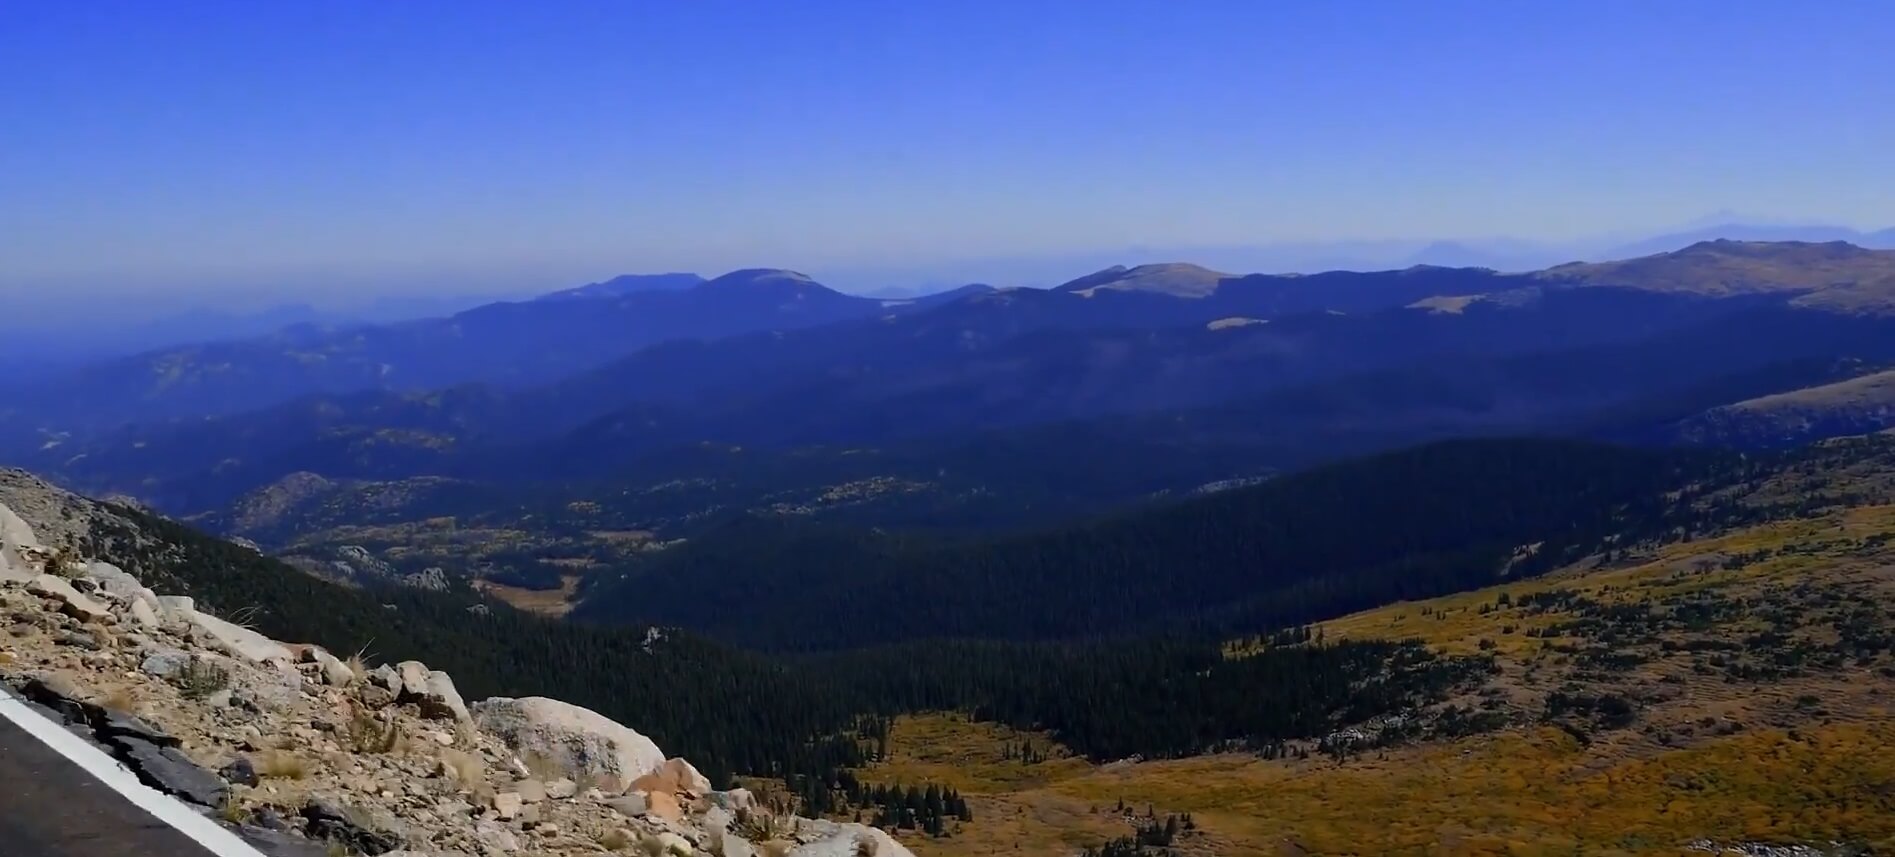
(1730, 691)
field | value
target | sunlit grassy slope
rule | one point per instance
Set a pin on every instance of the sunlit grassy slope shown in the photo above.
(1756, 663)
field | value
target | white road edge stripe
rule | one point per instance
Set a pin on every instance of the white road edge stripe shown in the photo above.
(215, 839)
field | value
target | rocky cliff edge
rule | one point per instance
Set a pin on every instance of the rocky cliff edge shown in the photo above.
(290, 741)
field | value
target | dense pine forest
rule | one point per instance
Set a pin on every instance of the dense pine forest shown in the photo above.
(1323, 542)
(804, 719)
(1129, 677)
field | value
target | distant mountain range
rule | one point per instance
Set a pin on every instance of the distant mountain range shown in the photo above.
(508, 344)
(1196, 375)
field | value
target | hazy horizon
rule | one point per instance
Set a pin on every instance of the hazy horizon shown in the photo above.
(248, 156)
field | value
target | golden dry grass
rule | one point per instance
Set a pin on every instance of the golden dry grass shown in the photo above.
(280, 765)
(546, 602)
(1803, 757)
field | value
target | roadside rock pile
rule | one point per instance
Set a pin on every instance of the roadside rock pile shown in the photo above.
(291, 741)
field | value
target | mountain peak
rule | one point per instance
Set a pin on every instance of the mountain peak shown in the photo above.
(1722, 267)
(762, 277)
(1801, 250)
(626, 284)
(1178, 279)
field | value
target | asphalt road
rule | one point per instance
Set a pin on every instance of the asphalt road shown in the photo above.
(51, 808)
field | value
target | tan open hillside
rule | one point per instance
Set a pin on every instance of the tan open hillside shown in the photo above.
(1755, 664)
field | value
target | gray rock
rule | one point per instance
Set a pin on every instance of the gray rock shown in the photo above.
(335, 673)
(413, 678)
(831, 839)
(80, 640)
(142, 614)
(266, 688)
(633, 805)
(433, 579)
(115, 724)
(374, 696)
(71, 603)
(732, 845)
(734, 800)
(168, 770)
(238, 641)
(580, 742)
(716, 818)
(439, 699)
(531, 791)
(386, 678)
(240, 772)
(59, 696)
(116, 580)
(279, 842)
(495, 840)
(349, 827)
(164, 662)
(431, 690)
(16, 536)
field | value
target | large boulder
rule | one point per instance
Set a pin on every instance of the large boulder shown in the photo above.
(582, 744)
(143, 615)
(15, 531)
(432, 690)
(413, 676)
(118, 581)
(673, 777)
(334, 672)
(832, 839)
(240, 642)
(141, 603)
(73, 604)
(15, 537)
(442, 700)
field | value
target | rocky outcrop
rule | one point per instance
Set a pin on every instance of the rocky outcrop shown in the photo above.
(149, 752)
(16, 539)
(71, 602)
(432, 578)
(580, 743)
(236, 640)
(295, 745)
(432, 691)
(832, 839)
(329, 668)
(675, 776)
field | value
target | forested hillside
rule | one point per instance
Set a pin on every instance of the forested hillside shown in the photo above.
(1453, 515)
(1253, 563)
(800, 720)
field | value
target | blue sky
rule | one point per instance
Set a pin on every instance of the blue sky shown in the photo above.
(408, 146)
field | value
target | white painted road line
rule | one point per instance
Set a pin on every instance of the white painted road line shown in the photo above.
(213, 838)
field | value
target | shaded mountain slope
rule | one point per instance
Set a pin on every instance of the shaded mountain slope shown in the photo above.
(1255, 398)
(1724, 267)
(1263, 373)
(508, 344)
(1857, 405)
(1445, 517)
